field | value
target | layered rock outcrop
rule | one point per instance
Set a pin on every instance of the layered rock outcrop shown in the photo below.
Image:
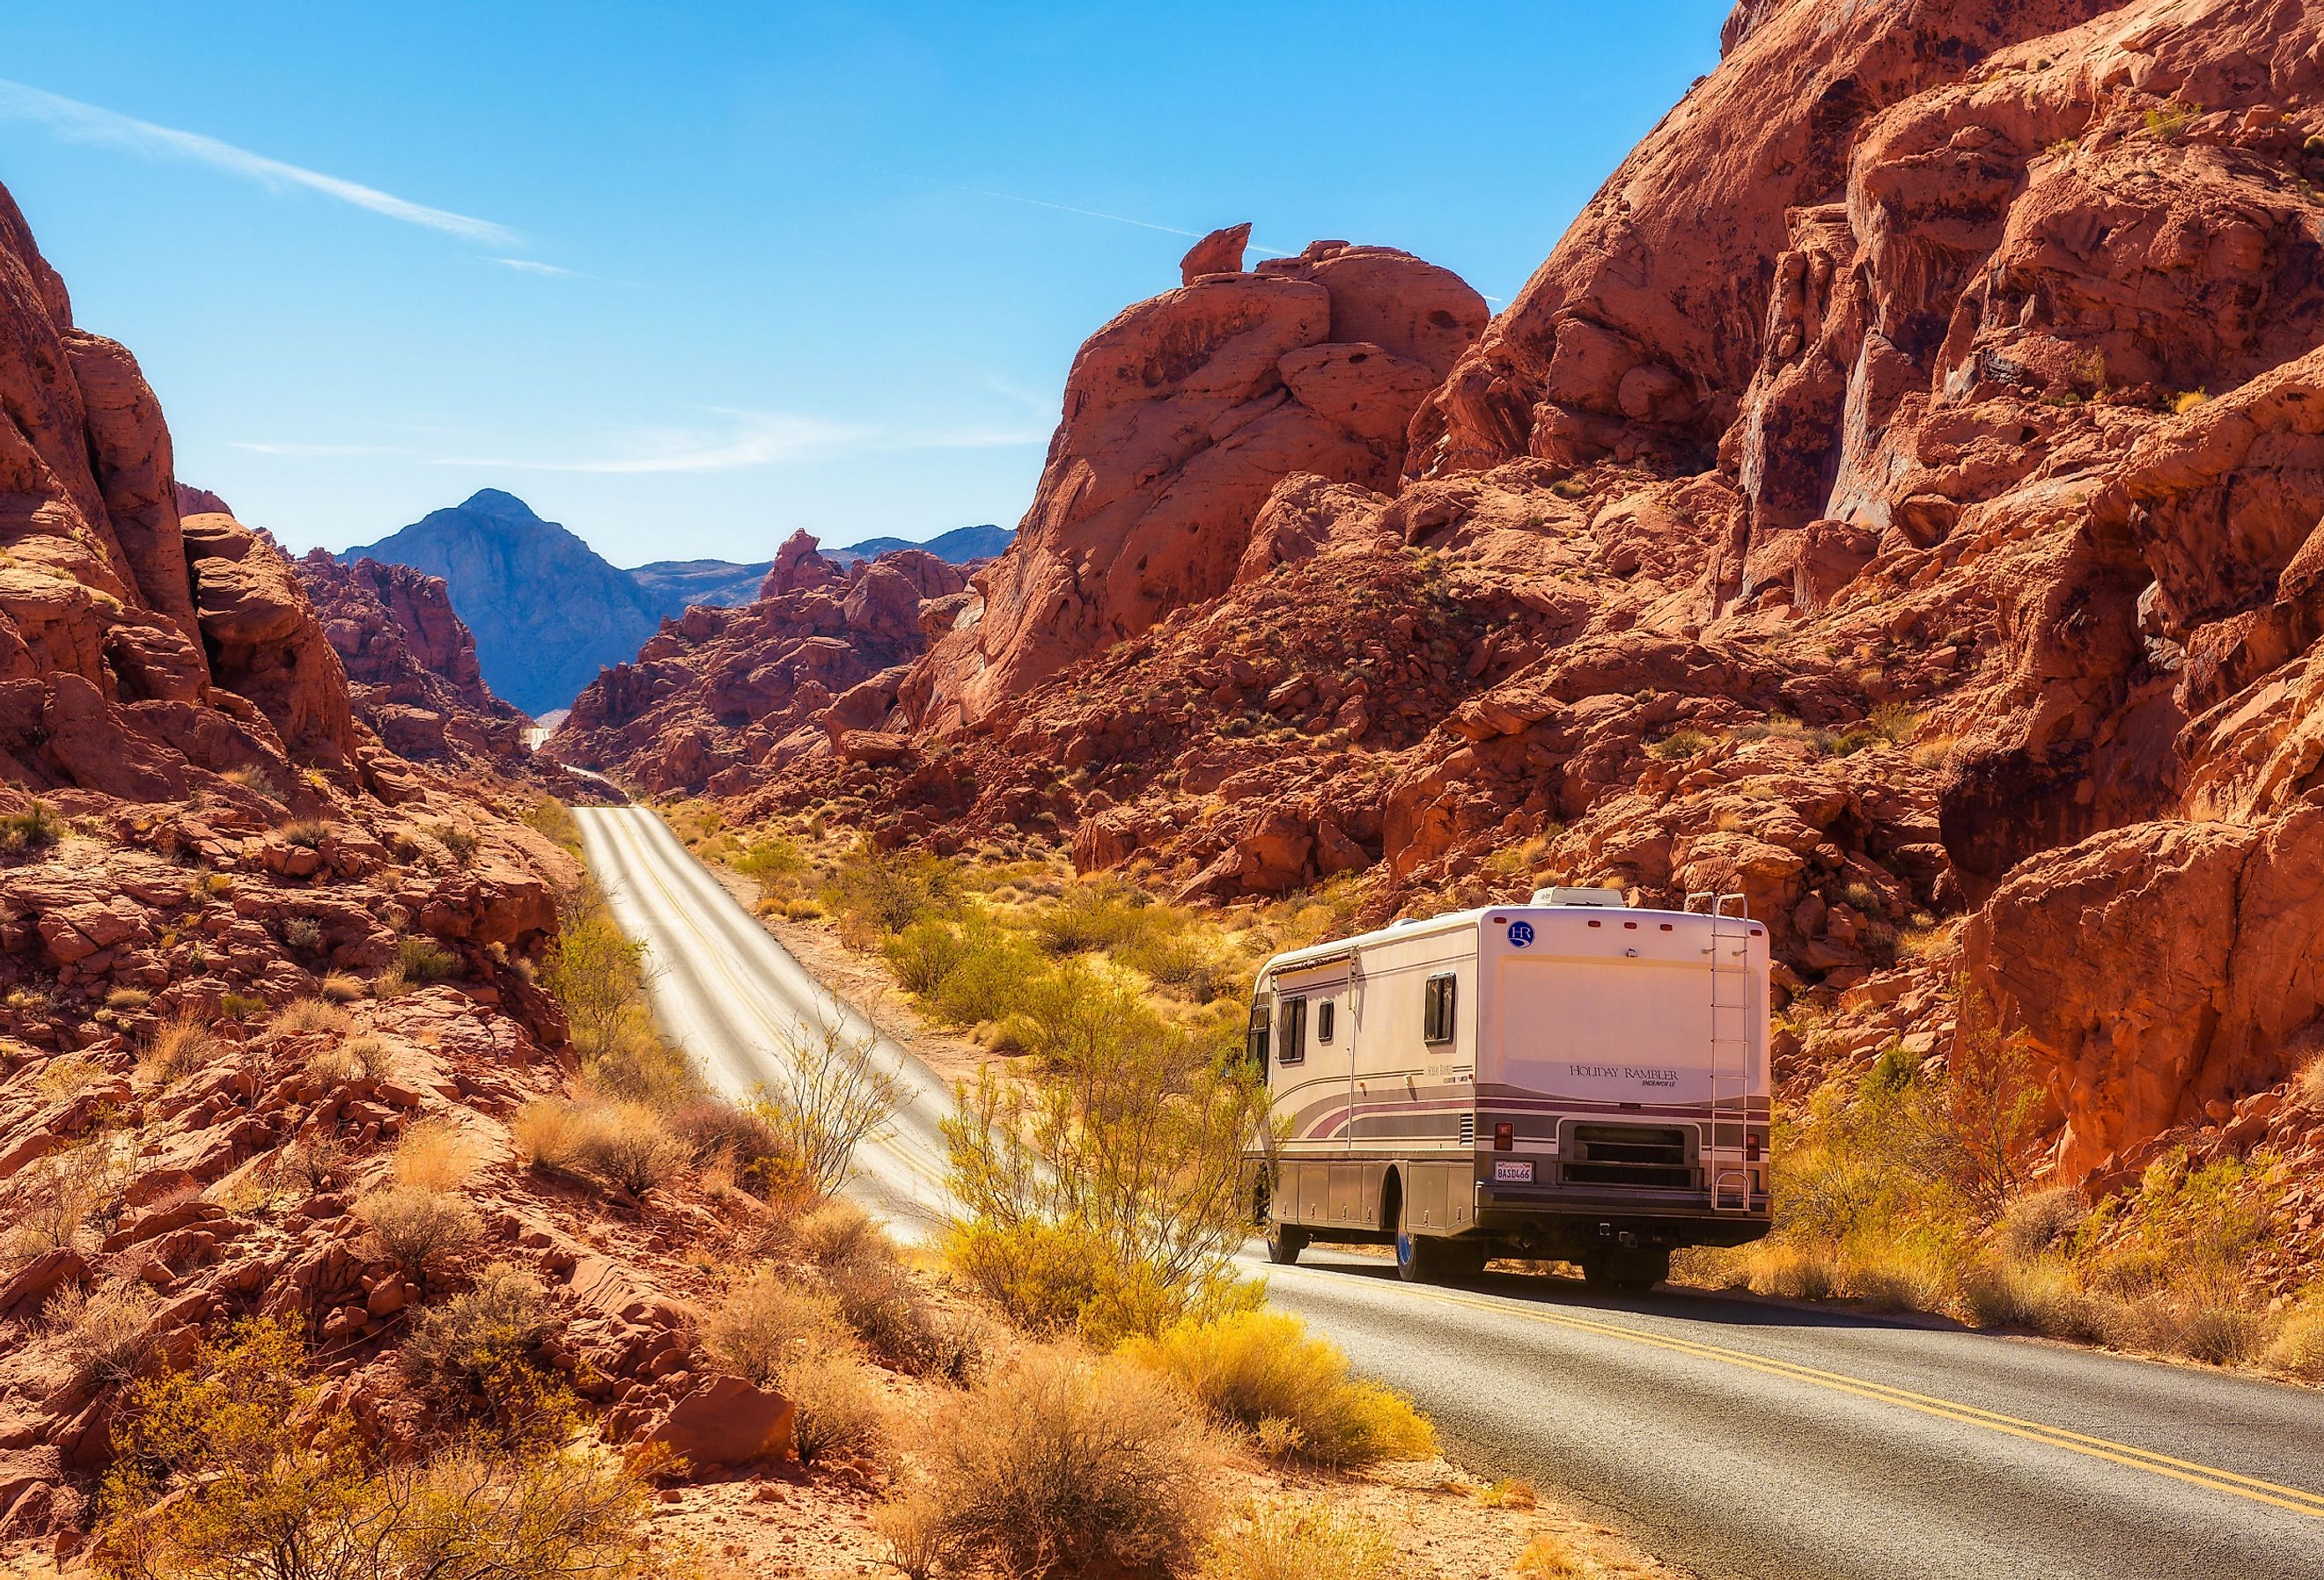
(1897, 498)
(411, 664)
(1180, 417)
(720, 698)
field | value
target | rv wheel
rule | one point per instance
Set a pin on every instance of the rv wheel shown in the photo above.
(1425, 1259)
(1284, 1243)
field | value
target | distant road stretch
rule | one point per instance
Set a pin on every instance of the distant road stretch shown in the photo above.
(1744, 1440)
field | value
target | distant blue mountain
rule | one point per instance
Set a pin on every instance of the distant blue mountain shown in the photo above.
(548, 612)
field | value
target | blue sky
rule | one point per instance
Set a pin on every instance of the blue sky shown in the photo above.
(688, 276)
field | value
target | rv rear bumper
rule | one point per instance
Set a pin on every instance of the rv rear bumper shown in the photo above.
(1570, 1224)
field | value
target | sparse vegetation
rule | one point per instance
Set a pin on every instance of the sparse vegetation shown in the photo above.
(837, 1093)
(342, 987)
(31, 827)
(423, 1232)
(1253, 1369)
(1061, 1465)
(425, 961)
(179, 1046)
(478, 1356)
(1287, 1539)
(302, 1016)
(838, 1414)
(763, 1322)
(102, 1331)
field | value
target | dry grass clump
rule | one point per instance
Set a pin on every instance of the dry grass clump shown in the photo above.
(421, 1231)
(317, 1162)
(425, 961)
(838, 1413)
(103, 1333)
(626, 1145)
(435, 1154)
(477, 1355)
(179, 1047)
(1508, 1493)
(304, 1015)
(342, 987)
(1262, 1371)
(1063, 1465)
(58, 1195)
(837, 1234)
(1286, 1539)
(762, 1323)
(2033, 1225)
(29, 829)
(1550, 1556)
(2040, 1295)
(127, 1000)
(2297, 1344)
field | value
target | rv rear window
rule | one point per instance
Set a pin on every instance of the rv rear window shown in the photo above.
(1294, 1032)
(1326, 1014)
(1255, 1038)
(1436, 1010)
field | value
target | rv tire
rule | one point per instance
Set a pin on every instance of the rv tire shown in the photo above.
(1284, 1243)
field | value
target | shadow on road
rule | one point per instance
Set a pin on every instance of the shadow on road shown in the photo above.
(1690, 1304)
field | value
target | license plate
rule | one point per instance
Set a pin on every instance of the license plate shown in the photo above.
(1513, 1171)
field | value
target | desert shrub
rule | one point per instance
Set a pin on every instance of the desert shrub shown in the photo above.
(596, 974)
(1893, 722)
(770, 856)
(838, 1091)
(1294, 1540)
(178, 1047)
(127, 1000)
(460, 844)
(1551, 1557)
(68, 1074)
(925, 954)
(717, 1132)
(547, 1134)
(478, 1355)
(240, 1006)
(1508, 1493)
(879, 1302)
(553, 818)
(1061, 1465)
(435, 1154)
(420, 1230)
(1100, 913)
(876, 893)
(356, 1059)
(303, 1015)
(1256, 1366)
(1103, 1191)
(425, 961)
(762, 1322)
(2297, 1344)
(629, 1146)
(837, 1234)
(59, 1194)
(390, 983)
(2307, 1087)
(1679, 746)
(341, 988)
(317, 1162)
(2035, 1223)
(103, 1332)
(218, 1472)
(911, 1528)
(303, 933)
(29, 829)
(2040, 1295)
(838, 1414)
(992, 978)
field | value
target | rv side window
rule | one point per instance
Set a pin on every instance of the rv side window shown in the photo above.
(1326, 1014)
(1294, 1032)
(1436, 1010)
(1255, 1040)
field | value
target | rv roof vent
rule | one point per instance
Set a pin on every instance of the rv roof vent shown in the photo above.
(1606, 897)
(1407, 921)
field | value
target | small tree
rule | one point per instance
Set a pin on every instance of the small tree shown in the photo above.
(1105, 1191)
(596, 975)
(1988, 1118)
(837, 1093)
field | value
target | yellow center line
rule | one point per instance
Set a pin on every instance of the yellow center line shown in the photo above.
(2294, 1499)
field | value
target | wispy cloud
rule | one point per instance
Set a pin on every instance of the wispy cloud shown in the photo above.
(738, 441)
(535, 267)
(85, 122)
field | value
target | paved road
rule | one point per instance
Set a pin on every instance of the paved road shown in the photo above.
(1739, 1438)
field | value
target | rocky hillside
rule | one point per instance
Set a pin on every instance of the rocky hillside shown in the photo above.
(1898, 497)
(722, 697)
(254, 961)
(548, 612)
(413, 673)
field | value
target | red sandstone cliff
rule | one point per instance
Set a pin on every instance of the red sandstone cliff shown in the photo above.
(1898, 496)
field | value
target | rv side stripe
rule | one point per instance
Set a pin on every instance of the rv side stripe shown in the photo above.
(2297, 1499)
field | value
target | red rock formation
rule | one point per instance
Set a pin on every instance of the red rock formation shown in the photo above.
(722, 697)
(1898, 496)
(1179, 417)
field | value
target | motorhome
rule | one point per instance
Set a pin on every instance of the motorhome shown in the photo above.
(1570, 1079)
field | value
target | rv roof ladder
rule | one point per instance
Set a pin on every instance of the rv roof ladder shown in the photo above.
(1731, 1049)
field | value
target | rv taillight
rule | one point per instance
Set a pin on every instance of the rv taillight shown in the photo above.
(1751, 1146)
(1504, 1137)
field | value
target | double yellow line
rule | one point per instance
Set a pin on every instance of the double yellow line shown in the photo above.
(2294, 1499)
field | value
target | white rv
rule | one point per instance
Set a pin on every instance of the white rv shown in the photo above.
(1568, 1079)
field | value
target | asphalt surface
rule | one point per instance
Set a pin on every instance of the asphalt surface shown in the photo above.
(1741, 1439)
